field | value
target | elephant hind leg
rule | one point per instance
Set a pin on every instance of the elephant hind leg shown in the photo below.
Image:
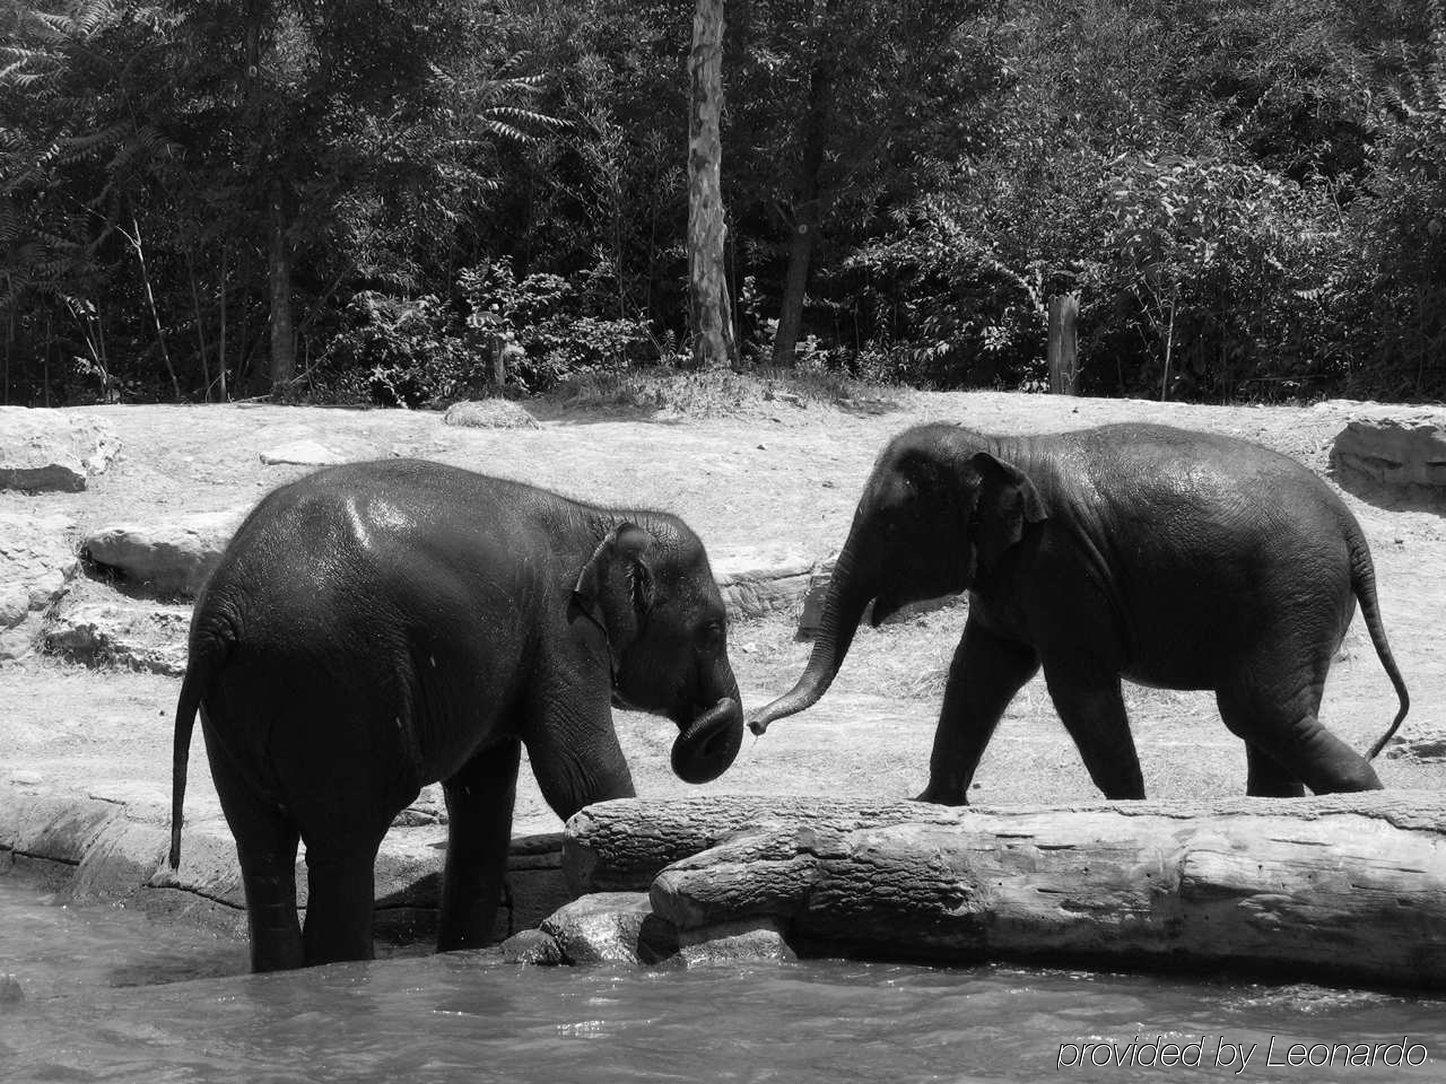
(266, 843)
(1265, 778)
(1285, 728)
(340, 891)
(269, 877)
(479, 836)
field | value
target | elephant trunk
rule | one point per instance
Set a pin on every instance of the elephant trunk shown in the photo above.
(706, 747)
(842, 611)
(708, 743)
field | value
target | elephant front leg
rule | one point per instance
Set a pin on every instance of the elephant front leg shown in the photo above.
(986, 673)
(479, 836)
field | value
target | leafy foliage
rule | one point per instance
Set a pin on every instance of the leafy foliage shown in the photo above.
(549, 325)
(1248, 197)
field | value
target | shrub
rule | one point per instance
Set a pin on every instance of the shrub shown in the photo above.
(545, 318)
(401, 352)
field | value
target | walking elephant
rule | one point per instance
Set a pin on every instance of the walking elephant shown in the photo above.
(1172, 558)
(378, 626)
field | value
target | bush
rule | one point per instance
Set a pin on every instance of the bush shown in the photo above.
(548, 323)
(401, 352)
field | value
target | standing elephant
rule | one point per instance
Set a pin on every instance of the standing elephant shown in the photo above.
(379, 626)
(1171, 558)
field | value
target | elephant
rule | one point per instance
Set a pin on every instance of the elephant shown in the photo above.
(1170, 558)
(378, 626)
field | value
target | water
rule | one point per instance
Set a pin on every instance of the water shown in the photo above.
(111, 995)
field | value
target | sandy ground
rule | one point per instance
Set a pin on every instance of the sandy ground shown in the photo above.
(781, 479)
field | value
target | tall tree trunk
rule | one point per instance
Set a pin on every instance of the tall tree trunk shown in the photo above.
(283, 339)
(710, 310)
(814, 136)
(45, 359)
(200, 328)
(221, 345)
(9, 346)
(151, 301)
(1063, 349)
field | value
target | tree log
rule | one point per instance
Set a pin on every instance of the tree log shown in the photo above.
(1346, 887)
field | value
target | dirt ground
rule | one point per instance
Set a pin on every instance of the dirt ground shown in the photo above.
(777, 479)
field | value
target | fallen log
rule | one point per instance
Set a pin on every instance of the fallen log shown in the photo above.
(1346, 887)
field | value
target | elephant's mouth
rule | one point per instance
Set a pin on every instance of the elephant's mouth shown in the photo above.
(707, 746)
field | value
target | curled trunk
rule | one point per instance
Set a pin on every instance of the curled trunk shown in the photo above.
(706, 746)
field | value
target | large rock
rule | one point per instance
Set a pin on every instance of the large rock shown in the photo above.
(490, 414)
(755, 584)
(810, 619)
(622, 928)
(1348, 887)
(531, 947)
(429, 807)
(610, 928)
(1425, 742)
(302, 453)
(49, 450)
(1397, 460)
(37, 559)
(98, 627)
(732, 943)
(167, 558)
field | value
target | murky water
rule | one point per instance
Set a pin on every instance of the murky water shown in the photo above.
(110, 995)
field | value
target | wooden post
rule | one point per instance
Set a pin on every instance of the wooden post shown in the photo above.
(1063, 344)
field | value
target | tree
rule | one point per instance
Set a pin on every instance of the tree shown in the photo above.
(710, 310)
(804, 219)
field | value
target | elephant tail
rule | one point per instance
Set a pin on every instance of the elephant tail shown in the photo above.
(1363, 583)
(186, 708)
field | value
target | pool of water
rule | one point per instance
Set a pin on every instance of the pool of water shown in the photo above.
(111, 995)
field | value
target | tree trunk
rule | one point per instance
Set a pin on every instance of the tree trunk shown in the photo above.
(200, 328)
(814, 136)
(151, 301)
(714, 346)
(283, 340)
(1063, 344)
(221, 344)
(1342, 886)
(9, 346)
(499, 362)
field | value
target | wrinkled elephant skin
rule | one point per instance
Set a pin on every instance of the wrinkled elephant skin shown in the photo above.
(1170, 558)
(379, 626)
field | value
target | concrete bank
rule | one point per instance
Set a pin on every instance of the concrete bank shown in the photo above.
(109, 846)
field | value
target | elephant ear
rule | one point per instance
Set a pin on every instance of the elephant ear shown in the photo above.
(616, 587)
(1007, 501)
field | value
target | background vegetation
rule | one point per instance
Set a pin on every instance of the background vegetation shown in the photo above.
(384, 194)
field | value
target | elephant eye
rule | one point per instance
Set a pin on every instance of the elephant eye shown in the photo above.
(711, 634)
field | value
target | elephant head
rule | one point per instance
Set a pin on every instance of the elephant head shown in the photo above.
(652, 592)
(938, 512)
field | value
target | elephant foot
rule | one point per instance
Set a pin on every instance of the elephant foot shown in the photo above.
(938, 796)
